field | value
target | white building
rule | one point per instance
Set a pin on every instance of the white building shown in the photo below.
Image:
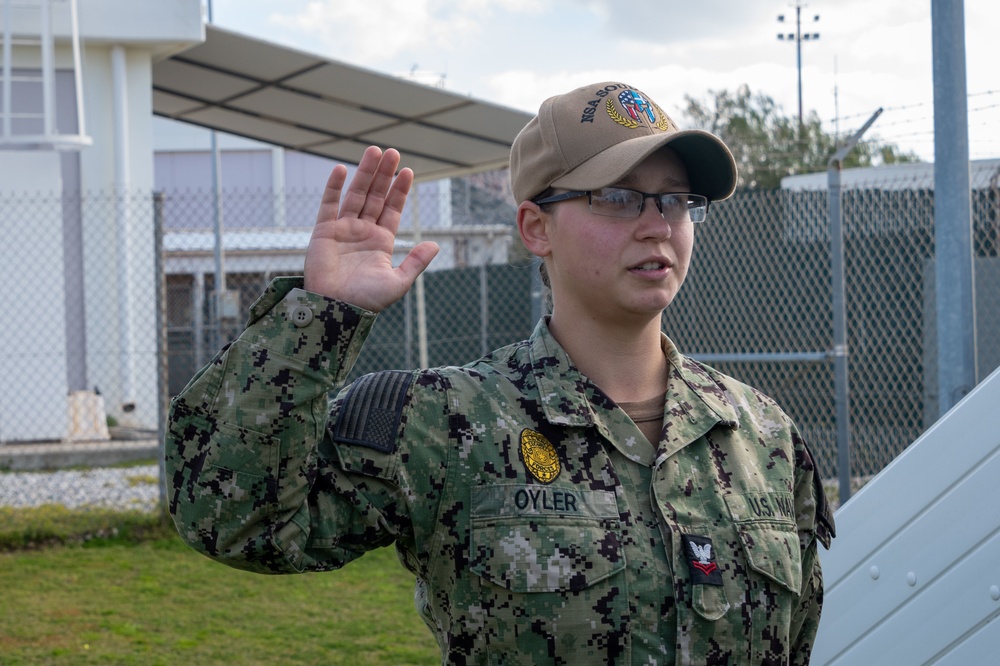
(74, 314)
(79, 166)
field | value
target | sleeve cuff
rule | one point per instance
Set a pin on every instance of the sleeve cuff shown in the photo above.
(322, 334)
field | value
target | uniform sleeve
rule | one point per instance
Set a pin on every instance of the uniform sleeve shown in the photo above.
(247, 481)
(816, 526)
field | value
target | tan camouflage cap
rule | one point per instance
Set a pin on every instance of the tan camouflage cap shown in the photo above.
(591, 137)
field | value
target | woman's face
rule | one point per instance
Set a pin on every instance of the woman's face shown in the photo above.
(620, 269)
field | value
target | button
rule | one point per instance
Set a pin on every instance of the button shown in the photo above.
(302, 315)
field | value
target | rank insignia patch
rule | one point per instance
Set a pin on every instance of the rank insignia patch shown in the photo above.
(700, 555)
(539, 456)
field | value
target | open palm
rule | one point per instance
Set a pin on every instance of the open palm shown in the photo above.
(350, 252)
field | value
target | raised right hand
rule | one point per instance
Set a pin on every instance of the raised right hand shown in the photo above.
(350, 252)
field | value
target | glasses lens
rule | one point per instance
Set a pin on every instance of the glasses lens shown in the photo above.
(684, 207)
(621, 202)
(615, 202)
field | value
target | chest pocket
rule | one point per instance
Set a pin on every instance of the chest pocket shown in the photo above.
(533, 538)
(765, 525)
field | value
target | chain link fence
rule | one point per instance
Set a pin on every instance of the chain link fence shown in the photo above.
(758, 305)
(79, 315)
(92, 302)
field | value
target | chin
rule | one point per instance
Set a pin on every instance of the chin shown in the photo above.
(646, 311)
(655, 304)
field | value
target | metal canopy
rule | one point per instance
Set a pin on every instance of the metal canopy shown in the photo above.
(256, 89)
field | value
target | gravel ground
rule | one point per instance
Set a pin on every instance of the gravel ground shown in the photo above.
(121, 488)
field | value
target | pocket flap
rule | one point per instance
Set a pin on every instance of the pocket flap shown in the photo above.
(558, 543)
(765, 523)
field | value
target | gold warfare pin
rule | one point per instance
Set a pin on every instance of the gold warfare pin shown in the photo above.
(539, 456)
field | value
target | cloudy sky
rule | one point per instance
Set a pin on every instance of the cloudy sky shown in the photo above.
(870, 54)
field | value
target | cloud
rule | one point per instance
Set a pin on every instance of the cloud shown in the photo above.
(377, 31)
(656, 21)
(518, 52)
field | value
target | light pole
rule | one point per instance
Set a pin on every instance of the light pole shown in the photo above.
(798, 37)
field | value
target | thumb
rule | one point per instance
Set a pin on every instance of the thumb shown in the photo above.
(416, 261)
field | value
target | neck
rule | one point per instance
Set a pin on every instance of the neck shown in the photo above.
(624, 359)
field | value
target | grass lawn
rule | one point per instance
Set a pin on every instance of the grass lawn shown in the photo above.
(158, 602)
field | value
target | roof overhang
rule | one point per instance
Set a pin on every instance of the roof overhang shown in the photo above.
(263, 91)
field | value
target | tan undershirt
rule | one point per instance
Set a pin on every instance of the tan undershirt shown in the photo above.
(648, 416)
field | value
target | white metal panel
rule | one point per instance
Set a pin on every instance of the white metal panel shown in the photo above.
(168, 104)
(371, 90)
(199, 83)
(425, 140)
(267, 92)
(269, 130)
(930, 618)
(484, 120)
(911, 574)
(310, 111)
(251, 58)
(982, 647)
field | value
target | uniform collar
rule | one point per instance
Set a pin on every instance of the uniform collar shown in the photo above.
(695, 401)
(563, 392)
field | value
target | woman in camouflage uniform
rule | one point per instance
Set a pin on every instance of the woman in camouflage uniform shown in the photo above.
(587, 496)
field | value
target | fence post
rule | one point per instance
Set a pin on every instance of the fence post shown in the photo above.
(841, 379)
(162, 367)
(408, 330)
(484, 311)
(954, 277)
(419, 292)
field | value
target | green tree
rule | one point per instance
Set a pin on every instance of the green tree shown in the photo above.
(768, 145)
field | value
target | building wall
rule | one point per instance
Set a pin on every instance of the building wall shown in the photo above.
(85, 274)
(120, 310)
(35, 344)
(262, 186)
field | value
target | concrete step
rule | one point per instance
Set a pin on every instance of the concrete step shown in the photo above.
(29, 456)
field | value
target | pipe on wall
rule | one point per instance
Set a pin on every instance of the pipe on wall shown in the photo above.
(122, 224)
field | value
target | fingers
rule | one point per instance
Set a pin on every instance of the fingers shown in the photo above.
(357, 192)
(395, 200)
(373, 184)
(330, 203)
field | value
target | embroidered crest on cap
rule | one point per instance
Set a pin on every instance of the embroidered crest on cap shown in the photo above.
(540, 456)
(700, 555)
(637, 107)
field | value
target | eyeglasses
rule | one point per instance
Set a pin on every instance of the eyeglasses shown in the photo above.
(623, 202)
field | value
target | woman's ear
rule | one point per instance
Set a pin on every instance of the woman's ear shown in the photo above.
(533, 224)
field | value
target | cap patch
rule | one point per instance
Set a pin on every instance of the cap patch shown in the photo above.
(638, 108)
(700, 555)
(540, 456)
